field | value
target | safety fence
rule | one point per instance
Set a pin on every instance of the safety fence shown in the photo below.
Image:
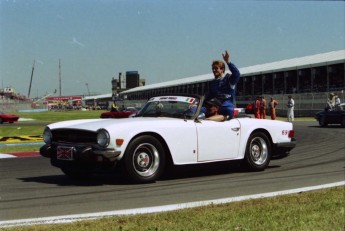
(13, 106)
(306, 104)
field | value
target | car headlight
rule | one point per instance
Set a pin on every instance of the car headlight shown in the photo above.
(103, 138)
(47, 135)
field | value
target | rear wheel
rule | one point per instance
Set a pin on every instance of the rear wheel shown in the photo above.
(258, 152)
(144, 159)
(322, 121)
(343, 121)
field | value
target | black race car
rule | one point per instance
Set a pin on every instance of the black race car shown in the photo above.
(333, 116)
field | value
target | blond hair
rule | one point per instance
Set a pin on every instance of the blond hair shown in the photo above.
(218, 63)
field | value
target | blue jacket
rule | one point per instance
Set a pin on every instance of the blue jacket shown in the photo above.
(224, 89)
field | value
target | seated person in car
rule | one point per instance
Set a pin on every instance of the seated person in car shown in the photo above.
(212, 110)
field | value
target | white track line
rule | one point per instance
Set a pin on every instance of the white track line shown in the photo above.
(3, 156)
(156, 209)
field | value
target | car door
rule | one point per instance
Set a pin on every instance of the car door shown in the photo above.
(218, 140)
(334, 117)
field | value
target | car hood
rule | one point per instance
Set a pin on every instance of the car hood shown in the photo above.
(95, 124)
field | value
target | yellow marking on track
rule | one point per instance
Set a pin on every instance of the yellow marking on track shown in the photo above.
(19, 139)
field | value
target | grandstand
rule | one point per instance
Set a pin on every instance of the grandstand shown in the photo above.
(309, 79)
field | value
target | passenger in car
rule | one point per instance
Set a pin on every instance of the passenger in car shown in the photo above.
(114, 107)
(212, 110)
(223, 87)
(330, 102)
(337, 102)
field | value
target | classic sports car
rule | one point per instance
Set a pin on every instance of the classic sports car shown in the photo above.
(334, 116)
(165, 132)
(8, 118)
(120, 114)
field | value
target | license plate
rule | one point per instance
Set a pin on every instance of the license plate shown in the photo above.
(64, 153)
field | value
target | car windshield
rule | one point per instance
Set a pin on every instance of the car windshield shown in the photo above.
(170, 106)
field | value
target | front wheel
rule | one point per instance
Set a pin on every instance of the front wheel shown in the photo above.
(144, 159)
(258, 152)
(76, 173)
(322, 121)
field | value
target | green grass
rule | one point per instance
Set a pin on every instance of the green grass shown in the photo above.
(33, 148)
(315, 210)
(54, 116)
(18, 130)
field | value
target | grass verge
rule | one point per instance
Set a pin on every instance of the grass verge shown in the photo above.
(314, 210)
(33, 148)
(54, 116)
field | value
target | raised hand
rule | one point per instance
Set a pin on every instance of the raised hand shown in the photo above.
(226, 56)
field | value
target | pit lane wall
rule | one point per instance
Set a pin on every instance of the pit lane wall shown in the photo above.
(306, 104)
(14, 106)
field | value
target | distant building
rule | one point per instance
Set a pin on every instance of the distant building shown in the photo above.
(123, 83)
(132, 79)
(141, 82)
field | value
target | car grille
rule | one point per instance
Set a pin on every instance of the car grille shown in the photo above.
(74, 136)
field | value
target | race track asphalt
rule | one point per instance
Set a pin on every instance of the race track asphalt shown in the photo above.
(30, 187)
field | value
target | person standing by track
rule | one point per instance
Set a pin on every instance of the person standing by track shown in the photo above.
(262, 109)
(272, 105)
(290, 109)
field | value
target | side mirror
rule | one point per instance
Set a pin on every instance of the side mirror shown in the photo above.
(132, 115)
(201, 116)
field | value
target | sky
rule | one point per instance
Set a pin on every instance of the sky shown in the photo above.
(162, 40)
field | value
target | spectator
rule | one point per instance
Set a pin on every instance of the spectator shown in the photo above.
(290, 111)
(272, 105)
(262, 109)
(257, 107)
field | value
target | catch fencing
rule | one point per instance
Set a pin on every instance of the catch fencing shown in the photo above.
(306, 104)
(14, 106)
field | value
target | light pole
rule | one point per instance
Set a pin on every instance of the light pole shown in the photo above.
(87, 86)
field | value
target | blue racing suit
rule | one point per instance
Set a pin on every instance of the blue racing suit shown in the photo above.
(224, 89)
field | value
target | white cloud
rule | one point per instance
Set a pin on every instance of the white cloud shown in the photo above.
(75, 41)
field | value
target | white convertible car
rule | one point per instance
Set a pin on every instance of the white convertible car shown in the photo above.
(165, 132)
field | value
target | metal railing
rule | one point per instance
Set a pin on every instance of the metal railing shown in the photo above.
(306, 104)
